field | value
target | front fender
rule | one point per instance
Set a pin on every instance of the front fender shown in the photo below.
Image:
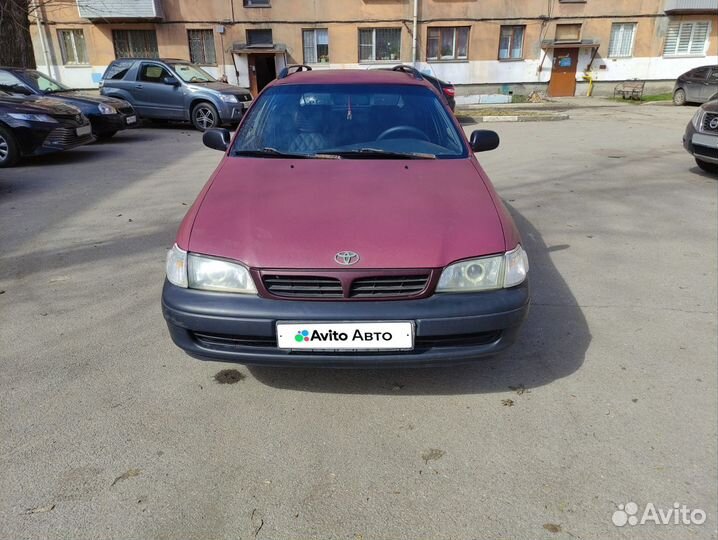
(118, 93)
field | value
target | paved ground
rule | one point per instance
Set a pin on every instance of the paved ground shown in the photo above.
(107, 430)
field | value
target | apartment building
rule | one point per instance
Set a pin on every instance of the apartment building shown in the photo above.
(481, 46)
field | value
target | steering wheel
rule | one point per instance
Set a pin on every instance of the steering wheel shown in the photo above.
(398, 129)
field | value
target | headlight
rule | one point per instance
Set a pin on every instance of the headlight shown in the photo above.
(217, 275)
(106, 109)
(33, 117)
(228, 98)
(206, 273)
(176, 267)
(698, 119)
(486, 273)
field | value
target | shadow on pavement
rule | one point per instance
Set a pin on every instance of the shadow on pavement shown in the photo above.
(552, 345)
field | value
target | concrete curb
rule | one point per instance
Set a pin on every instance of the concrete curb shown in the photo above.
(518, 118)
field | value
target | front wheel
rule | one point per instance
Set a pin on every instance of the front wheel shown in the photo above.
(9, 153)
(679, 97)
(707, 167)
(204, 116)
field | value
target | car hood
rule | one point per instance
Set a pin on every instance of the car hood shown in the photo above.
(39, 105)
(711, 106)
(81, 99)
(220, 87)
(279, 213)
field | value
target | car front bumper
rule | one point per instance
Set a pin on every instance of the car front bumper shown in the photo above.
(103, 123)
(450, 328)
(703, 146)
(233, 112)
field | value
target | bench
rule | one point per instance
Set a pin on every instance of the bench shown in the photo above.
(630, 90)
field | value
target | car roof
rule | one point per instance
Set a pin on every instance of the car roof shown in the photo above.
(151, 60)
(351, 76)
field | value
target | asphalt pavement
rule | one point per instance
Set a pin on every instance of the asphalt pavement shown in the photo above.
(609, 397)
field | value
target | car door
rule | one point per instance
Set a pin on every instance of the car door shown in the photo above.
(156, 98)
(695, 84)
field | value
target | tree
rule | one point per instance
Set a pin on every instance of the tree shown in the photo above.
(15, 42)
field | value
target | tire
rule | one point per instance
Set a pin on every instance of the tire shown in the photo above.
(9, 153)
(679, 97)
(204, 116)
(104, 135)
(707, 167)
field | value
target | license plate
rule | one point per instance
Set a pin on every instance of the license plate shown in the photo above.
(131, 119)
(346, 336)
(705, 140)
(83, 130)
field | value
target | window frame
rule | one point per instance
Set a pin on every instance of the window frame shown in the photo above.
(572, 40)
(255, 31)
(455, 31)
(63, 49)
(689, 53)
(259, 3)
(611, 45)
(129, 33)
(374, 30)
(204, 33)
(315, 45)
(513, 27)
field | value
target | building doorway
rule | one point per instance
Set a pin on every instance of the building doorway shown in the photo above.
(262, 71)
(563, 73)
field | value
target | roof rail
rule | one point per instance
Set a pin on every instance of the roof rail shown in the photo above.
(409, 70)
(296, 68)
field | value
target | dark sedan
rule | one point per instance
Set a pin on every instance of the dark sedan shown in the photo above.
(107, 115)
(701, 137)
(698, 85)
(39, 126)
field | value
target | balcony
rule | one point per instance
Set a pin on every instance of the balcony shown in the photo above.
(674, 7)
(125, 10)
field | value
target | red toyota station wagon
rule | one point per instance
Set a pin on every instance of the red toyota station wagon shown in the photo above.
(348, 224)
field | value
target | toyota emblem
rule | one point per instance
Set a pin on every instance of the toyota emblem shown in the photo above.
(346, 258)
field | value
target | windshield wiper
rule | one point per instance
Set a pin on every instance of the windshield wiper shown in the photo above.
(270, 153)
(383, 154)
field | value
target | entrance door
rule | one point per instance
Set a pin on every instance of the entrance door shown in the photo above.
(262, 71)
(563, 73)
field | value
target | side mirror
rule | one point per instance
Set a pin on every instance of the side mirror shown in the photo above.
(483, 140)
(20, 89)
(217, 139)
(170, 81)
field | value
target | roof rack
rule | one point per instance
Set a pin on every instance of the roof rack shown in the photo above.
(296, 68)
(409, 70)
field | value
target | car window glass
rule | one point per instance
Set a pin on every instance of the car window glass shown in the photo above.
(714, 76)
(153, 73)
(9, 82)
(43, 83)
(315, 119)
(191, 73)
(700, 73)
(118, 69)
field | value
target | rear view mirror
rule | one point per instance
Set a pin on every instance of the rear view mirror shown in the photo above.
(483, 140)
(217, 139)
(170, 81)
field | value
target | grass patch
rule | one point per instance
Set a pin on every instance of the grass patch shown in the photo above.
(647, 98)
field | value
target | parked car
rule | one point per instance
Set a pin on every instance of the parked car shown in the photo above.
(39, 126)
(701, 137)
(107, 115)
(446, 89)
(170, 89)
(696, 86)
(348, 224)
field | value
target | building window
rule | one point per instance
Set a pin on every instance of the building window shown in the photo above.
(511, 43)
(377, 44)
(686, 38)
(447, 43)
(622, 37)
(568, 32)
(316, 45)
(259, 37)
(135, 44)
(72, 46)
(201, 47)
(256, 3)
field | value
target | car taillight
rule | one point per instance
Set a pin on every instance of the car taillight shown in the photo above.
(449, 91)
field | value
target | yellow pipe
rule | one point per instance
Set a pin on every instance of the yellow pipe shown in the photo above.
(589, 77)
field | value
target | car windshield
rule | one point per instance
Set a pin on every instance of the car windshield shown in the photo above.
(43, 83)
(349, 121)
(191, 73)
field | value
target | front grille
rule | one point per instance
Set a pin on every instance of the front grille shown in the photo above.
(219, 341)
(64, 137)
(706, 151)
(303, 286)
(709, 118)
(382, 286)
(458, 340)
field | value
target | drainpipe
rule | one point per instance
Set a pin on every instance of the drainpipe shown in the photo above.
(413, 41)
(40, 32)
